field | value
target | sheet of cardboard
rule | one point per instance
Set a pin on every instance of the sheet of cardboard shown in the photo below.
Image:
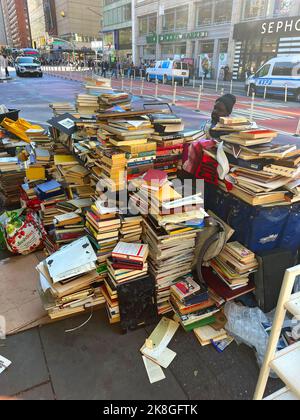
(19, 300)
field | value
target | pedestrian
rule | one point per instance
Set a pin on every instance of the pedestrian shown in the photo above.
(114, 70)
(226, 73)
(6, 65)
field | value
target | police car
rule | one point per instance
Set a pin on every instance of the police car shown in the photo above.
(277, 75)
(168, 71)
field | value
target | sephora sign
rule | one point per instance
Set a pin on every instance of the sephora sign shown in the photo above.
(281, 27)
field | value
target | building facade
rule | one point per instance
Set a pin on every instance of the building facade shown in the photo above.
(16, 21)
(70, 20)
(211, 34)
(3, 38)
(117, 29)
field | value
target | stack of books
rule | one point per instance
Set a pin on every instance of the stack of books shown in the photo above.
(12, 176)
(110, 168)
(215, 336)
(102, 227)
(192, 304)
(42, 156)
(233, 124)
(60, 108)
(108, 101)
(68, 228)
(131, 228)
(140, 158)
(50, 194)
(86, 104)
(69, 286)
(128, 262)
(169, 138)
(234, 265)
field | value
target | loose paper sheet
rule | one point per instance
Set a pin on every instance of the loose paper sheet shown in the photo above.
(155, 372)
(4, 363)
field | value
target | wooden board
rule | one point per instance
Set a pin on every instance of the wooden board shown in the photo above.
(19, 300)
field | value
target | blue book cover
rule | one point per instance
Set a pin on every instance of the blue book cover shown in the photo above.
(49, 187)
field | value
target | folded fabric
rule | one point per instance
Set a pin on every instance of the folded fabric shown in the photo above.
(19, 128)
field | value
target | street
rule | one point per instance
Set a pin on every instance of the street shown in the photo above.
(33, 95)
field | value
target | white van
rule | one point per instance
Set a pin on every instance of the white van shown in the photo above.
(168, 71)
(276, 74)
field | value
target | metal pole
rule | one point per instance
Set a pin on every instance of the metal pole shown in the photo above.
(122, 86)
(231, 86)
(286, 93)
(222, 91)
(202, 82)
(156, 89)
(252, 106)
(217, 84)
(248, 92)
(183, 81)
(174, 93)
(199, 98)
(142, 86)
(265, 92)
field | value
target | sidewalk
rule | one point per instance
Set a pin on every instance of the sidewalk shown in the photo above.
(97, 362)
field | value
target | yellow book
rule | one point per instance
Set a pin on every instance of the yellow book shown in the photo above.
(65, 160)
(33, 174)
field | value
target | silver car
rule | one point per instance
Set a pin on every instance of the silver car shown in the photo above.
(28, 66)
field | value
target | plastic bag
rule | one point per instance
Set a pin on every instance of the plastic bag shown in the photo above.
(23, 234)
(246, 326)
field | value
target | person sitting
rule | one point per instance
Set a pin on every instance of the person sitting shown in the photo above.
(223, 108)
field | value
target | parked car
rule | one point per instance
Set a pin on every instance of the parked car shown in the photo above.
(169, 70)
(28, 66)
(277, 74)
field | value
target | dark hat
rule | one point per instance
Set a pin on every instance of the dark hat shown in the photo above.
(228, 100)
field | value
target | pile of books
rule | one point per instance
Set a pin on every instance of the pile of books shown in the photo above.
(140, 158)
(214, 335)
(192, 304)
(86, 104)
(42, 156)
(131, 228)
(102, 227)
(60, 108)
(110, 168)
(128, 263)
(234, 265)
(169, 138)
(12, 176)
(69, 286)
(114, 101)
(68, 228)
(50, 194)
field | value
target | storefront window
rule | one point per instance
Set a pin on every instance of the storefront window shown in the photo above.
(147, 25)
(207, 47)
(149, 51)
(223, 11)
(204, 11)
(282, 7)
(175, 19)
(125, 39)
(180, 49)
(254, 8)
(167, 50)
(224, 46)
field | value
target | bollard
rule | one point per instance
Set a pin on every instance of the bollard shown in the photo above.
(122, 83)
(173, 80)
(142, 86)
(217, 85)
(131, 84)
(174, 93)
(248, 91)
(231, 86)
(222, 91)
(156, 89)
(199, 98)
(202, 82)
(265, 92)
(134, 74)
(252, 107)
(286, 93)
(194, 82)
(183, 81)
(298, 129)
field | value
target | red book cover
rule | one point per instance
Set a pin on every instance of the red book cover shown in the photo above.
(220, 288)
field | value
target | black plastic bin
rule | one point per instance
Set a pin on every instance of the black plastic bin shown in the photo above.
(13, 114)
